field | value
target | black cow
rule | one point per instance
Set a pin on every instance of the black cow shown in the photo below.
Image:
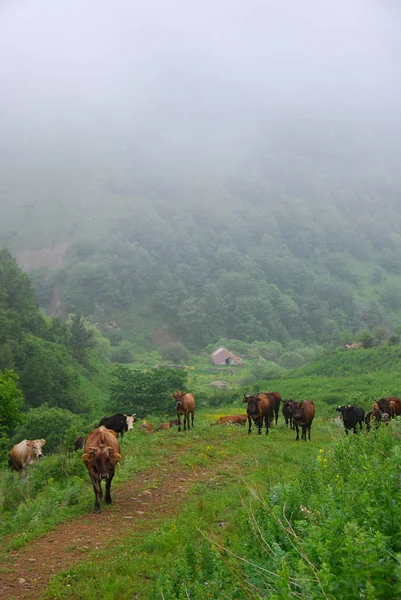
(119, 423)
(352, 415)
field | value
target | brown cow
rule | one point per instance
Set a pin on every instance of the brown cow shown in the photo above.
(260, 406)
(232, 420)
(303, 414)
(275, 399)
(287, 410)
(185, 405)
(101, 454)
(163, 426)
(27, 452)
(146, 426)
(391, 406)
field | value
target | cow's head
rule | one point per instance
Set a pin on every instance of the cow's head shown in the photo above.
(298, 411)
(101, 460)
(177, 395)
(253, 406)
(290, 405)
(384, 404)
(36, 446)
(344, 409)
(246, 398)
(130, 420)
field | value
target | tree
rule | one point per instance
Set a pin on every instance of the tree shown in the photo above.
(366, 338)
(11, 402)
(176, 353)
(58, 426)
(81, 339)
(145, 392)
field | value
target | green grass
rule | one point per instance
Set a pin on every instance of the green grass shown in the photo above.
(236, 463)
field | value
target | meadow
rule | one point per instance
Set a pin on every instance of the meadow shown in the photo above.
(222, 514)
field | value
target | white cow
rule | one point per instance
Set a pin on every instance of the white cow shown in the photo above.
(27, 452)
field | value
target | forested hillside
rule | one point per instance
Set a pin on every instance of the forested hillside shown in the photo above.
(45, 365)
(299, 237)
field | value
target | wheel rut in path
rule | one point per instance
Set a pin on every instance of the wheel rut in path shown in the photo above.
(135, 506)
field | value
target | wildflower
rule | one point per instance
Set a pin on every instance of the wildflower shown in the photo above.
(321, 451)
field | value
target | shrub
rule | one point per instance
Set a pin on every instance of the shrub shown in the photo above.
(58, 426)
(122, 353)
(176, 353)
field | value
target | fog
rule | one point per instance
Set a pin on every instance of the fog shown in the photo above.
(107, 81)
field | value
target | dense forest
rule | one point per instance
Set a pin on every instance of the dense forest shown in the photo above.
(298, 239)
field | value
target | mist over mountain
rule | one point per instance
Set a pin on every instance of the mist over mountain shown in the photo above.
(215, 168)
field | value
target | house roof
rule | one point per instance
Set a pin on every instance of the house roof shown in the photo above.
(221, 355)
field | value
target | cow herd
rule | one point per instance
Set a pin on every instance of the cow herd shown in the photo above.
(102, 449)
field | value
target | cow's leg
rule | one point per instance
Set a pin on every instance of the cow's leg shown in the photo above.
(276, 415)
(108, 486)
(260, 425)
(346, 431)
(309, 428)
(249, 424)
(98, 494)
(179, 422)
(296, 427)
(360, 424)
(192, 419)
(267, 424)
(185, 421)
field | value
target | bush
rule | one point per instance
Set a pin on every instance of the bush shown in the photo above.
(266, 370)
(58, 426)
(122, 353)
(291, 360)
(223, 397)
(176, 353)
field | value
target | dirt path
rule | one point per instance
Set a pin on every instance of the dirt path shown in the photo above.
(138, 505)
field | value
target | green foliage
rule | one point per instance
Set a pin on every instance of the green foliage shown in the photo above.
(123, 353)
(291, 360)
(264, 370)
(58, 426)
(366, 338)
(145, 392)
(81, 339)
(176, 353)
(11, 402)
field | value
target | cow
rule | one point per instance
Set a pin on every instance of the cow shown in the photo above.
(185, 405)
(352, 415)
(26, 453)
(391, 406)
(232, 420)
(375, 416)
(119, 423)
(287, 410)
(259, 407)
(146, 426)
(275, 399)
(101, 454)
(163, 426)
(79, 443)
(302, 415)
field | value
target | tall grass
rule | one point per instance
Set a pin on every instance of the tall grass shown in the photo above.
(333, 532)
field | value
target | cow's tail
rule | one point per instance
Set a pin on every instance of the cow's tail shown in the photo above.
(10, 463)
